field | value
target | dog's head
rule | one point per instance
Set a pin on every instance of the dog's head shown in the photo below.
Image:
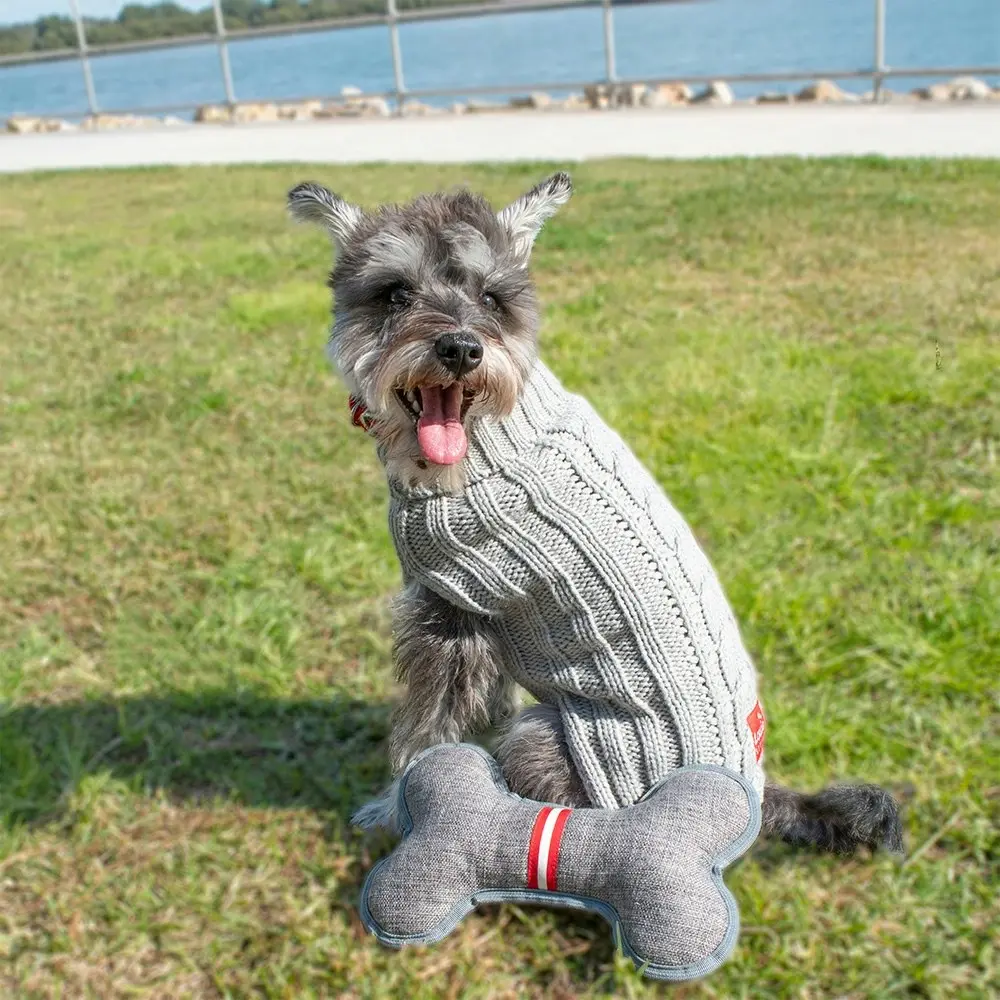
(435, 316)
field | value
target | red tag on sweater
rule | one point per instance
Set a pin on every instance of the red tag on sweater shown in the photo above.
(757, 724)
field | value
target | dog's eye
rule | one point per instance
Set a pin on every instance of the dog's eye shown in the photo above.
(399, 296)
(489, 301)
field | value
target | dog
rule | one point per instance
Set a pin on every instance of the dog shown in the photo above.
(537, 553)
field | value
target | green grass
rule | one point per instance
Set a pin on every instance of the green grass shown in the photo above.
(196, 570)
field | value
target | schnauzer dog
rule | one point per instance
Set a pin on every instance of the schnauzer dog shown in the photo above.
(537, 553)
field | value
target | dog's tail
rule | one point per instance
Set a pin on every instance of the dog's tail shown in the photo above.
(381, 813)
(837, 819)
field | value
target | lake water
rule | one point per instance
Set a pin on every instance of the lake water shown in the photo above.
(713, 37)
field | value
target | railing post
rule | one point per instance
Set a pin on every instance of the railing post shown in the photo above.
(227, 73)
(392, 19)
(877, 76)
(81, 41)
(609, 42)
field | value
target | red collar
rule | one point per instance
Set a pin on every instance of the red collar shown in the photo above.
(360, 416)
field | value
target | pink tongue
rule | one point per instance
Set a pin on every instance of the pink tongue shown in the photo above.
(440, 433)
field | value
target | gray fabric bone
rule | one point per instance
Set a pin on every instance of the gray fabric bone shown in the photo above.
(652, 870)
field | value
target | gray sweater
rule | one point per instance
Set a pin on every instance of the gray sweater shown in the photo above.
(605, 604)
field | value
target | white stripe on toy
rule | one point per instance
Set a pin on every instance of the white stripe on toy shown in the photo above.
(548, 848)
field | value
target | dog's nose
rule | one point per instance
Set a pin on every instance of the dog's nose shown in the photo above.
(459, 352)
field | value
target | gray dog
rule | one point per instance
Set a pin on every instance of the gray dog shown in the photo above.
(537, 553)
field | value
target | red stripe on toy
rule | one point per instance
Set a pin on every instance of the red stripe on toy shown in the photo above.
(557, 832)
(534, 844)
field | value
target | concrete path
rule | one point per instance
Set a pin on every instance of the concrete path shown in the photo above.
(792, 130)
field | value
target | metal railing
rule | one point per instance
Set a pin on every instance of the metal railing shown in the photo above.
(878, 72)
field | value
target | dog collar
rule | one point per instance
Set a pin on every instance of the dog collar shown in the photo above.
(360, 416)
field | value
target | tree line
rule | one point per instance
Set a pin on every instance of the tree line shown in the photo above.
(137, 22)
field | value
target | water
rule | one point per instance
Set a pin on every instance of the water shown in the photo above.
(716, 37)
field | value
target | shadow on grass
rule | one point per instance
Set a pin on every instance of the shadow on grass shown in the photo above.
(324, 754)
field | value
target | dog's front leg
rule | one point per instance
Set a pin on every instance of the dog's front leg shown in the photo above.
(449, 661)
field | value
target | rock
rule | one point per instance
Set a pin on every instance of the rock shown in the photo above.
(416, 109)
(962, 88)
(968, 88)
(886, 96)
(535, 101)
(105, 123)
(257, 112)
(481, 107)
(823, 92)
(375, 107)
(773, 97)
(717, 92)
(300, 110)
(25, 124)
(363, 107)
(667, 95)
(615, 95)
(358, 104)
(626, 95)
(22, 125)
(213, 114)
(296, 112)
(935, 92)
(458, 108)
(596, 95)
(172, 121)
(572, 102)
(350, 110)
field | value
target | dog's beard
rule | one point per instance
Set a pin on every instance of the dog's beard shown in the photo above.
(423, 417)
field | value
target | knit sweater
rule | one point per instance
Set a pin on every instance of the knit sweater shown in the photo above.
(603, 602)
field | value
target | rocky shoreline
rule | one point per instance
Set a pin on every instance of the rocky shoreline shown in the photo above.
(597, 97)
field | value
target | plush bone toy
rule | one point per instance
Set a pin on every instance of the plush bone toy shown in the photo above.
(652, 870)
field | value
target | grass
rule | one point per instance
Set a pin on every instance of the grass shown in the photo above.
(196, 572)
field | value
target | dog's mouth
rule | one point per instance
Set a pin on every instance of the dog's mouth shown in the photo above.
(439, 411)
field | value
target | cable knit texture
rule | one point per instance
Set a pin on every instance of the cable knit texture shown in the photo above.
(603, 600)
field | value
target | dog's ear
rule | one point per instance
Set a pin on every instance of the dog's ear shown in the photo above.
(525, 217)
(310, 202)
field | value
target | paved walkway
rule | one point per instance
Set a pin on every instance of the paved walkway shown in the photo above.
(791, 130)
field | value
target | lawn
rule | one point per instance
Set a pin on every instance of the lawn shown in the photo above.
(196, 570)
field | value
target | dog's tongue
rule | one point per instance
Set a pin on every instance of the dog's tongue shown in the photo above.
(440, 433)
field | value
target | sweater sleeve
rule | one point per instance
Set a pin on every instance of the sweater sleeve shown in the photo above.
(447, 544)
